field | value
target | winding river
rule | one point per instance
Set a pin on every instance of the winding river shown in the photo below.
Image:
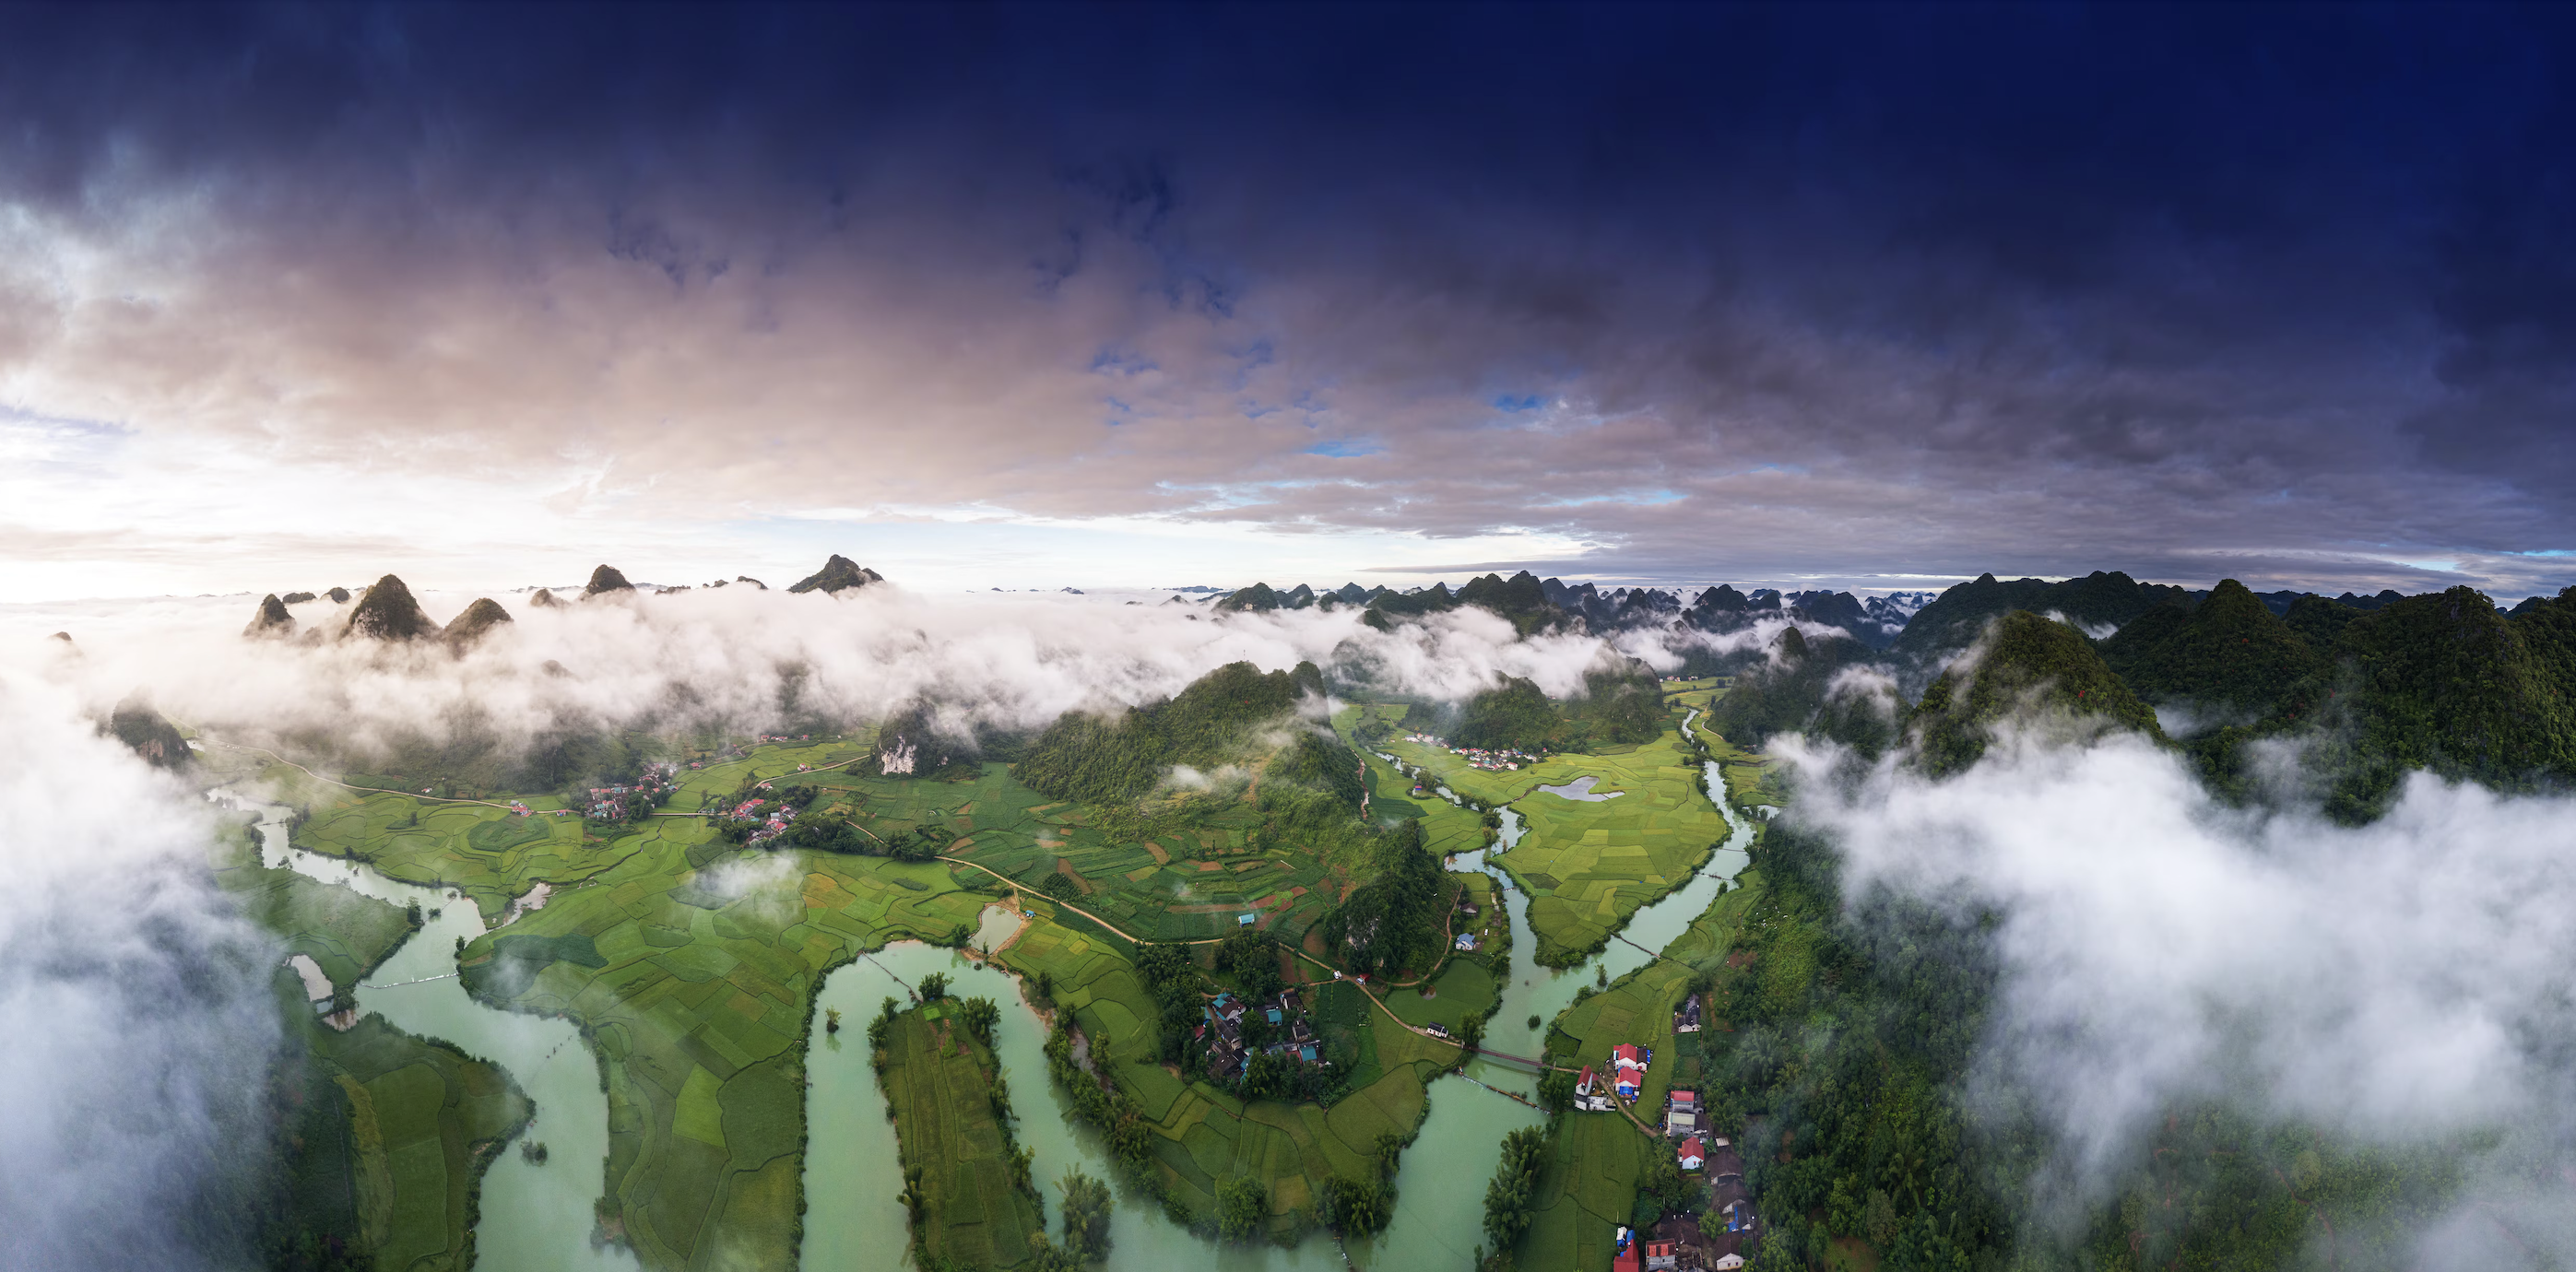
(852, 1177)
(538, 1218)
(535, 1218)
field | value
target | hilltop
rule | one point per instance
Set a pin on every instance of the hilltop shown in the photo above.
(837, 575)
(388, 612)
(478, 619)
(1115, 759)
(604, 580)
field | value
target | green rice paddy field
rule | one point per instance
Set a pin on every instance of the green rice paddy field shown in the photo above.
(693, 980)
(690, 965)
(939, 1082)
(396, 1129)
(1202, 1134)
(1589, 865)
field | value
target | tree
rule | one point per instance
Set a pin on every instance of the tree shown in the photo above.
(1241, 1206)
(980, 1015)
(1086, 1217)
(1356, 1208)
(831, 1020)
(1508, 1197)
(1556, 1091)
(933, 987)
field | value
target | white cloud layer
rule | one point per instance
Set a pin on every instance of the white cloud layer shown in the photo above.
(135, 1006)
(2397, 982)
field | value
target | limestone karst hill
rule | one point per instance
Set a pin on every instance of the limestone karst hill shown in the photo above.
(2030, 667)
(604, 580)
(389, 612)
(271, 620)
(138, 725)
(838, 575)
(477, 621)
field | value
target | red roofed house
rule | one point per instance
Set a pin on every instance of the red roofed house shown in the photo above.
(1692, 1155)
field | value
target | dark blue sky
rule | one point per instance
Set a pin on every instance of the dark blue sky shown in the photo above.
(1834, 292)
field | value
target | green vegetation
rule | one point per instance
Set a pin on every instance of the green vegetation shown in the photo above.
(2227, 655)
(2440, 682)
(379, 1139)
(486, 852)
(1393, 923)
(1954, 618)
(1098, 761)
(1507, 1198)
(966, 1178)
(1588, 866)
(1086, 1209)
(1618, 707)
(150, 734)
(1793, 691)
(698, 998)
(2029, 664)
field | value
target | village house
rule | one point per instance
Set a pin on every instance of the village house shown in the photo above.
(1681, 1113)
(1591, 1093)
(1628, 1070)
(1686, 1018)
(1692, 1155)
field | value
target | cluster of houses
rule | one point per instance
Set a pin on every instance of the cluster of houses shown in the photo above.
(1678, 1243)
(608, 803)
(1507, 759)
(1221, 1028)
(773, 819)
(1627, 1076)
(1467, 920)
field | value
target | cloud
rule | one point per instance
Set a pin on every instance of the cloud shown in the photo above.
(1079, 268)
(137, 1007)
(734, 658)
(2403, 983)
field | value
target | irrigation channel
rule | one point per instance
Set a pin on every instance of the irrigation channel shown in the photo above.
(537, 1218)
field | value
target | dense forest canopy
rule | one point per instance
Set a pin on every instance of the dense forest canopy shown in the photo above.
(1106, 760)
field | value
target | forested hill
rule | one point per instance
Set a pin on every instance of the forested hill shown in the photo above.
(2442, 682)
(2028, 664)
(2229, 654)
(1785, 692)
(1624, 705)
(1214, 721)
(2098, 599)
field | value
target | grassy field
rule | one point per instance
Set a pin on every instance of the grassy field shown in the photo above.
(393, 1131)
(490, 854)
(976, 1208)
